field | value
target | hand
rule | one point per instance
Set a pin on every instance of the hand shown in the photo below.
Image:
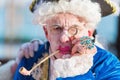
(83, 45)
(27, 49)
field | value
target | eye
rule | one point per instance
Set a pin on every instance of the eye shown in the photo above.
(57, 27)
(74, 29)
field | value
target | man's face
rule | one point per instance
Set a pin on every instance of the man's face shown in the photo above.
(61, 30)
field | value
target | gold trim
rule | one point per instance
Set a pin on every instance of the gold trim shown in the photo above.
(111, 5)
(32, 5)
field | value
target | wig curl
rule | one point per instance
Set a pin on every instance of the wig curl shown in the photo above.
(86, 9)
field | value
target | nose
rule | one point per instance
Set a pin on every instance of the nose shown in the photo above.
(64, 37)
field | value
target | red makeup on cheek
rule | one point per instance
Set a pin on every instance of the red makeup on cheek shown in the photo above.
(64, 50)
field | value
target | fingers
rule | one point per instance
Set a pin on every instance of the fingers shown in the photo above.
(31, 50)
(24, 51)
(27, 49)
(82, 45)
(36, 44)
(75, 41)
(76, 48)
(19, 56)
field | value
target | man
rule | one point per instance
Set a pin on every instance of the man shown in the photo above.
(69, 26)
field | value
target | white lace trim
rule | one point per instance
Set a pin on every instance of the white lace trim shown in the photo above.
(76, 65)
(37, 73)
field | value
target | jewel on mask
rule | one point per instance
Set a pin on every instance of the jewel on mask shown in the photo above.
(87, 42)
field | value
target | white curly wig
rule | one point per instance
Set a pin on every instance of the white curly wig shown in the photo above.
(86, 9)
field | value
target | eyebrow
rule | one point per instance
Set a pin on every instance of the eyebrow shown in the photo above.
(57, 25)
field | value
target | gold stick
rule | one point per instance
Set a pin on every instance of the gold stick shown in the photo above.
(24, 71)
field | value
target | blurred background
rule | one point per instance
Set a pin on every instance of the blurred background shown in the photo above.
(16, 28)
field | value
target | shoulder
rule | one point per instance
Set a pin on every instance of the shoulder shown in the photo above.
(106, 65)
(28, 63)
(103, 54)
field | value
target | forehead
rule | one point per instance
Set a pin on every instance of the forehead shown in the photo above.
(64, 19)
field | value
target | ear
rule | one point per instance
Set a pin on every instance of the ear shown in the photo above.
(45, 31)
(90, 32)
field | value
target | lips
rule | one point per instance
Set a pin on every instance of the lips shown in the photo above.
(64, 50)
